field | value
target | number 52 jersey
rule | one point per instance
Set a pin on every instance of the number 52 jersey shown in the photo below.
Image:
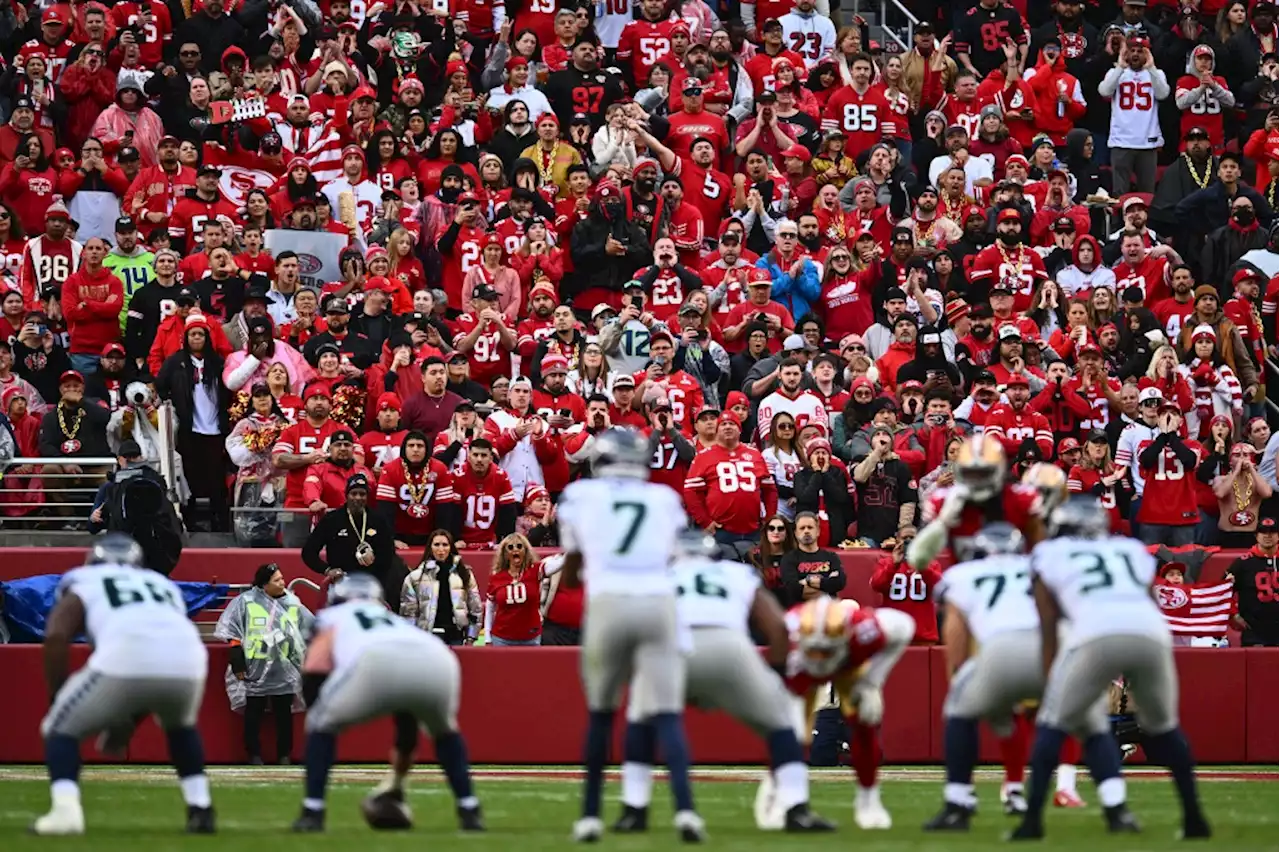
(137, 622)
(1103, 586)
(625, 530)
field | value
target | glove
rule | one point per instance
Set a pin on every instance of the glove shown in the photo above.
(870, 703)
(953, 506)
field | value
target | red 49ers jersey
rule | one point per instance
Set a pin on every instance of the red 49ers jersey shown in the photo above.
(416, 496)
(1170, 493)
(964, 113)
(644, 44)
(488, 358)
(480, 499)
(1020, 266)
(729, 485)
(1205, 112)
(1017, 504)
(381, 448)
(459, 261)
(299, 439)
(1150, 276)
(1084, 481)
(667, 296)
(155, 35)
(685, 394)
(55, 58)
(511, 231)
(858, 116)
(666, 465)
(1013, 427)
(866, 639)
(708, 190)
(515, 600)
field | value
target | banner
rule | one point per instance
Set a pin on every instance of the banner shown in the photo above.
(317, 253)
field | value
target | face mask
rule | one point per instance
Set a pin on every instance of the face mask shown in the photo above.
(1009, 239)
(1244, 216)
(980, 332)
(613, 209)
(646, 186)
(449, 196)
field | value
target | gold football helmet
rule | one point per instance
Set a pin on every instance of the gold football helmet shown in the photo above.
(823, 635)
(1050, 481)
(980, 466)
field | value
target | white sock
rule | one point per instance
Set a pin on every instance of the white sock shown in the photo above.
(469, 803)
(195, 790)
(65, 792)
(959, 794)
(1012, 787)
(792, 783)
(313, 804)
(1066, 778)
(637, 784)
(1111, 792)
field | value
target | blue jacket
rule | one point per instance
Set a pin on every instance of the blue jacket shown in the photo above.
(795, 294)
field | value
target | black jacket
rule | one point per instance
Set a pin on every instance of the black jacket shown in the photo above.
(593, 266)
(176, 383)
(339, 541)
(146, 312)
(832, 486)
(1256, 600)
(91, 434)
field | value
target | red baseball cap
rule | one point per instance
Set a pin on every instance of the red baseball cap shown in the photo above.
(1017, 379)
(728, 417)
(70, 376)
(1067, 445)
(316, 389)
(1009, 214)
(112, 349)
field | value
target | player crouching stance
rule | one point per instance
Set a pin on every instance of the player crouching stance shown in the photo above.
(147, 658)
(724, 671)
(356, 670)
(988, 602)
(1102, 585)
(853, 650)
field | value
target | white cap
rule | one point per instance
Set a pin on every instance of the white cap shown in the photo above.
(1149, 393)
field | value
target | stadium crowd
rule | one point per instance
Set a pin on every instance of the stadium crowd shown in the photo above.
(804, 263)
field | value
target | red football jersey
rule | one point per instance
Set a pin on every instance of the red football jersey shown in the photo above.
(1172, 500)
(299, 439)
(1173, 314)
(55, 58)
(1206, 112)
(156, 34)
(417, 496)
(685, 395)
(858, 116)
(644, 44)
(668, 294)
(186, 222)
(666, 466)
(1084, 481)
(728, 487)
(459, 261)
(905, 589)
(515, 600)
(488, 358)
(967, 114)
(866, 639)
(480, 499)
(1151, 276)
(381, 448)
(1013, 427)
(1017, 505)
(1021, 267)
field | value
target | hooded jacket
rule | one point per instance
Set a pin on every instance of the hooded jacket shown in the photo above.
(599, 276)
(1052, 116)
(91, 304)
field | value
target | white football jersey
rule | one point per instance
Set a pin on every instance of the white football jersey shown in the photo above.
(1133, 440)
(807, 407)
(1103, 586)
(137, 622)
(993, 594)
(812, 36)
(625, 530)
(611, 16)
(1135, 107)
(360, 625)
(714, 594)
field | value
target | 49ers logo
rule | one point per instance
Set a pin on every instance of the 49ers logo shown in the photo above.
(1171, 597)
(40, 186)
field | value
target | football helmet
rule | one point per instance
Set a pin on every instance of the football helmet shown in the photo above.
(355, 587)
(980, 466)
(1081, 516)
(621, 452)
(1050, 481)
(116, 548)
(823, 635)
(997, 538)
(694, 542)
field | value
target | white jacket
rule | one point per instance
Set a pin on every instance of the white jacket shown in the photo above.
(521, 464)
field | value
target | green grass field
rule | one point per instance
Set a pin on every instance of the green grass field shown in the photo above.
(139, 809)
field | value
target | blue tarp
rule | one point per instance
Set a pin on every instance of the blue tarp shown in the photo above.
(27, 602)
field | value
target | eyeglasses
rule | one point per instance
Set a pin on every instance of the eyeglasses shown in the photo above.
(515, 548)
(786, 236)
(94, 53)
(782, 426)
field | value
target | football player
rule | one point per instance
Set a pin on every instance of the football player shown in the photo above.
(355, 671)
(619, 533)
(854, 650)
(981, 494)
(988, 608)
(1102, 585)
(716, 599)
(147, 659)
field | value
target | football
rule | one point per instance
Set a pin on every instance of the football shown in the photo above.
(386, 812)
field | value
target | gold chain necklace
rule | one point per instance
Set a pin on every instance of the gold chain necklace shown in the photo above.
(70, 445)
(1242, 517)
(1201, 182)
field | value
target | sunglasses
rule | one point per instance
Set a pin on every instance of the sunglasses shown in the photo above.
(94, 53)
(786, 426)
(515, 548)
(188, 53)
(776, 528)
(855, 347)
(787, 236)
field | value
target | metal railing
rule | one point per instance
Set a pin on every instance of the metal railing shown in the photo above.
(62, 496)
(211, 614)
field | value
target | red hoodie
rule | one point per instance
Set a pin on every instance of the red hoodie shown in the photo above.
(1053, 117)
(91, 304)
(1012, 97)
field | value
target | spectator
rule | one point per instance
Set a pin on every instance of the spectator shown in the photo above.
(267, 627)
(538, 522)
(1241, 491)
(512, 616)
(354, 537)
(191, 380)
(728, 485)
(1171, 517)
(823, 487)
(905, 589)
(809, 571)
(432, 408)
(1253, 576)
(777, 540)
(886, 491)
(440, 595)
(783, 460)
(92, 300)
(487, 500)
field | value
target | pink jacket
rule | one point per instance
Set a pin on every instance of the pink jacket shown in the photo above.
(242, 369)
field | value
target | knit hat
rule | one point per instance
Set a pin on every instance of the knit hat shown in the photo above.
(533, 492)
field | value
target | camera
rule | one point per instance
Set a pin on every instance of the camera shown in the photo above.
(137, 393)
(762, 317)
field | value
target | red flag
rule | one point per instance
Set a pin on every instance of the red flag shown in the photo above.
(1201, 610)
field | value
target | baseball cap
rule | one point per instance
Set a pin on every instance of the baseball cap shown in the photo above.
(315, 389)
(125, 225)
(1067, 445)
(23, 102)
(1267, 525)
(1150, 393)
(337, 305)
(1009, 214)
(485, 292)
(1064, 225)
(70, 376)
(1097, 436)
(1017, 380)
(342, 436)
(129, 449)
(793, 343)
(1010, 332)
(209, 169)
(1132, 201)
(113, 349)
(602, 308)
(1196, 132)
(624, 381)
(186, 296)
(128, 154)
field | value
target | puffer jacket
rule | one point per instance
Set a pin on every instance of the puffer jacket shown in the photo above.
(419, 597)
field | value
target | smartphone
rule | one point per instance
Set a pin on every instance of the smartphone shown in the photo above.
(566, 413)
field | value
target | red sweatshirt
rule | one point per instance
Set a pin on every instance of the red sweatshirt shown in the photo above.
(91, 304)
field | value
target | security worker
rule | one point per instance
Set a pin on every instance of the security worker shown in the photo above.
(354, 538)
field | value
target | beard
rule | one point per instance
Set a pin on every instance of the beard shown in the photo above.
(1009, 239)
(811, 243)
(721, 56)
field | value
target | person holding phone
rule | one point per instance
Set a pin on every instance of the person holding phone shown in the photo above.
(1171, 515)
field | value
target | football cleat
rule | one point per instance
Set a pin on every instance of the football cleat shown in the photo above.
(309, 822)
(65, 818)
(588, 829)
(690, 827)
(801, 820)
(868, 812)
(200, 820)
(470, 819)
(632, 820)
(1068, 799)
(952, 817)
(1015, 803)
(768, 812)
(1120, 820)
(1029, 829)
